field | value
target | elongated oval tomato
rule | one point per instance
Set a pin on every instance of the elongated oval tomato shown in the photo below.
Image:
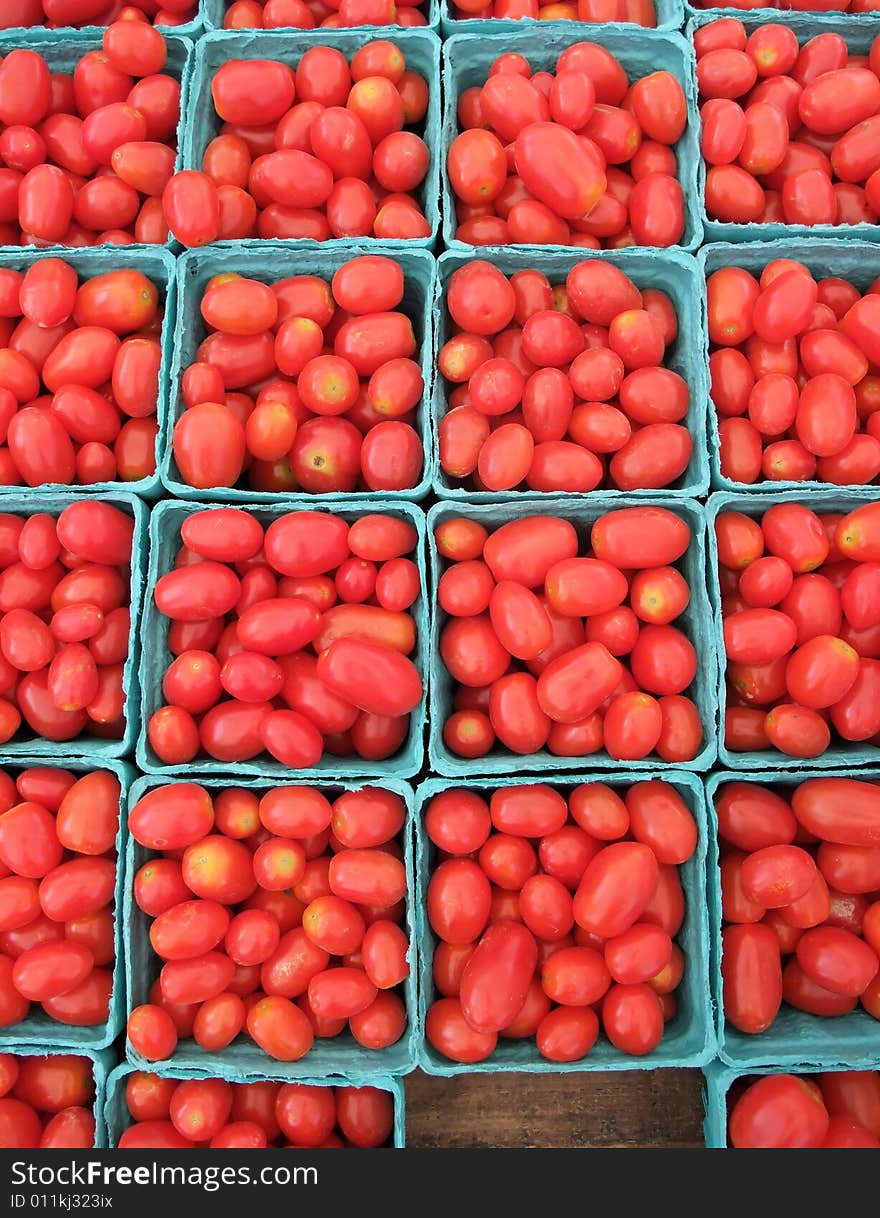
(188, 929)
(524, 550)
(172, 817)
(528, 811)
(777, 875)
(752, 974)
(191, 207)
(615, 888)
(563, 171)
(497, 976)
(459, 897)
(209, 446)
(630, 538)
(77, 888)
(371, 676)
(304, 544)
(368, 877)
(837, 959)
(195, 979)
(842, 810)
(192, 594)
(253, 92)
(368, 622)
(278, 626)
(449, 1033)
(51, 969)
(280, 1028)
(575, 684)
(751, 817)
(339, 993)
(659, 817)
(519, 620)
(850, 869)
(584, 587)
(222, 534)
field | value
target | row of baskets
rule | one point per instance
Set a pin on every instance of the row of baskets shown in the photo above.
(181, 284)
(692, 1038)
(671, 15)
(796, 1043)
(460, 63)
(156, 541)
(112, 1117)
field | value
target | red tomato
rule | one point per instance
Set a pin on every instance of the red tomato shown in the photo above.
(752, 976)
(451, 1035)
(628, 867)
(506, 951)
(778, 1110)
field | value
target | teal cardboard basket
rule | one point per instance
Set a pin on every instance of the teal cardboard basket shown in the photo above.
(270, 261)
(215, 11)
(165, 522)
(696, 621)
(421, 48)
(62, 51)
(840, 753)
(243, 1060)
(39, 1029)
(859, 33)
(26, 503)
(670, 17)
(795, 1037)
(468, 57)
(717, 1098)
(852, 260)
(670, 270)
(688, 1039)
(117, 1117)
(785, 16)
(158, 266)
(102, 1061)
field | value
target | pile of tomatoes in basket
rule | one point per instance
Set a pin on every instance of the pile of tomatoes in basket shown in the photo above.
(793, 374)
(53, 13)
(640, 12)
(801, 612)
(295, 640)
(280, 916)
(64, 621)
(575, 157)
(803, 921)
(302, 385)
(544, 911)
(175, 1114)
(46, 1102)
(817, 1111)
(574, 652)
(318, 151)
(790, 133)
(561, 387)
(85, 157)
(79, 375)
(58, 852)
(326, 14)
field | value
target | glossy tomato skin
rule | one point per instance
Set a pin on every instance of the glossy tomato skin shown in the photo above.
(752, 976)
(778, 1111)
(507, 951)
(630, 864)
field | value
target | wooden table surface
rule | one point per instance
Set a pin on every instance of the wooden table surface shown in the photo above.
(626, 1108)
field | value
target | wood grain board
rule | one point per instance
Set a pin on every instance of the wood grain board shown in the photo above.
(659, 1108)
